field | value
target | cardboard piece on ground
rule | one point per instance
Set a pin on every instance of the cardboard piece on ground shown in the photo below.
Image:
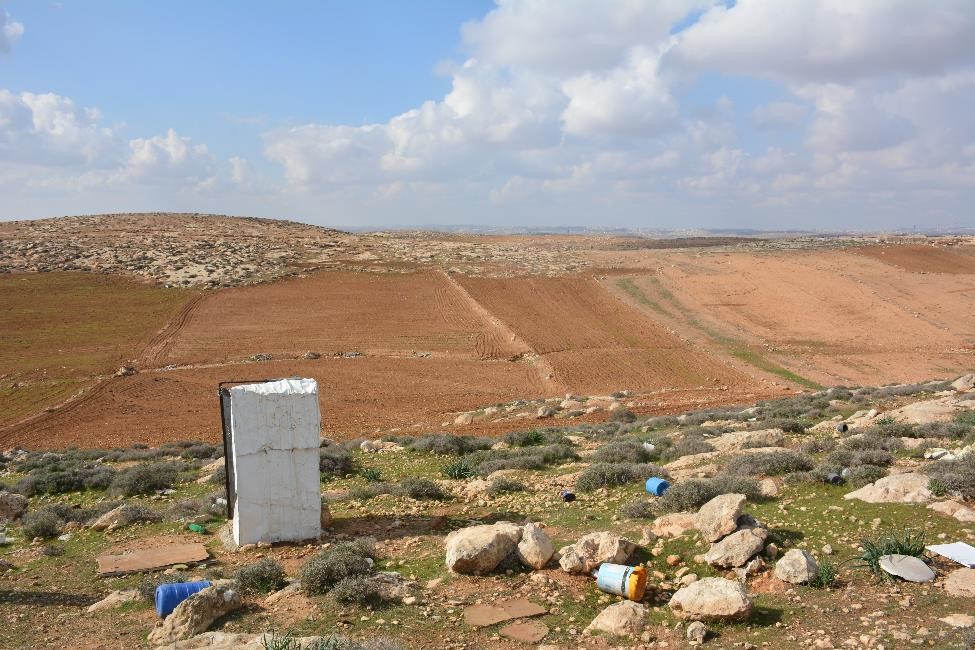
(960, 552)
(484, 615)
(152, 558)
(908, 567)
(525, 631)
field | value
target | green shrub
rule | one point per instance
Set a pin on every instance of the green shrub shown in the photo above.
(956, 475)
(445, 444)
(219, 476)
(134, 513)
(622, 451)
(61, 477)
(770, 464)
(687, 446)
(788, 425)
(907, 543)
(817, 445)
(535, 437)
(52, 550)
(373, 490)
(335, 460)
(966, 418)
(614, 474)
(358, 590)
(264, 576)
(694, 493)
(870, 440)
(865, 474)
(937, 487)
(950, 430)
(622, 415)
(144, 479)
(371, 474)
(42, 523)
(462, 469)
(504, 485)
(825, 575)
(340, 561)
(638, 509)
(421, 488)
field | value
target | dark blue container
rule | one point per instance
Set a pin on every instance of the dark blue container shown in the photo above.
(657, 486)
(170, 595)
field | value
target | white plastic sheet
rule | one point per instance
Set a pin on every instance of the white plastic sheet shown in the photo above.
(275, 436)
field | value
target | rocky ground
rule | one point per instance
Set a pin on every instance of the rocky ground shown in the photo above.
(463, 542)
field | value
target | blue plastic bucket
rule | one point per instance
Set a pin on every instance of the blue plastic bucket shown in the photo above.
(627, 581)
(170, 595)
(657, 486)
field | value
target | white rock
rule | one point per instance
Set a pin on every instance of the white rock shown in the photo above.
(718, 517)
(896, 488)
(625, 618)
(535, 548)
(797, 567)
(592, 550)
(711, 599)
(195, 614)
(478, 550)
(696, 633)
(736, 549)
(114, 599)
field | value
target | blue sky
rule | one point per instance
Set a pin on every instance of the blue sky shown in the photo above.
(654, 114)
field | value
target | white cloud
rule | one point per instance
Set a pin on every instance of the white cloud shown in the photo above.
(778, 115)
(10, 31)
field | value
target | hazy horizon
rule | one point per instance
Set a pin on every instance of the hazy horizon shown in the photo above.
(649, 115)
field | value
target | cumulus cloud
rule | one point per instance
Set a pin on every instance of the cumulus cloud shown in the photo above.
(778, 115)
(10, 31)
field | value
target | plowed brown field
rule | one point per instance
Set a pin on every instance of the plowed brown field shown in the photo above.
(924, 259)
(332, 313)
(594, 342)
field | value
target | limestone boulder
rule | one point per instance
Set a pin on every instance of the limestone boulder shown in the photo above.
(593, 549)
(896, 488)
(964, 383)
(674, 524)
(711, 599)
(195, 614)
(961, 582)
(796, 566)
(718, 517)
(478, 550)
(737, 548)
(625, 618)
(959, 511)
(12, 506)
(535, 548)
(114, 599)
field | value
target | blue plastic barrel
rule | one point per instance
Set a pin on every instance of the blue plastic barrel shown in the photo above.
(657, 486)
(170, 595)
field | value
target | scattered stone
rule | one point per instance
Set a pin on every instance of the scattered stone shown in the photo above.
(767, 487)
(593, 549)
(478, 550)
(535, 548)
(896, 488)
(719, 516)
(696, 633)
(484, 615)
(195, 614)
(964, 383)
(114, 599)
(674, 525)
(954, 509)
(797, 567)
(958, 620)
(753, 567)
(464, 419)
(525, 631)
(625, 618)
(12, 505)
(907, 567)
(961, 582)
(736, 549)
(711, 599)
(391, 587)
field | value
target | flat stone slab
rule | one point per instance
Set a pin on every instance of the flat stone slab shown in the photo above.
(909, 568)
(484, 615)
(525, 631)
(152, 558)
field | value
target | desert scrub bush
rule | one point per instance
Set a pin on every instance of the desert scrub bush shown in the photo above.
(539, 457)
(43, 523)
(659, 422)
(614, 474)
(421, 488)
(622, 415)
(60, 477)
(462, 469)
(329, 642)
(770, 464)
(144, 479)
(503, 485)
(826, 575)
(687, 446)
(966, 418)
(336, 563)
(817, 445)
(694, 493)
(52, 550)
(906, 543)
(264, 576)
(371, 474)
(147, 588)
(372, 490)
(887, 426)
(219, 476)
(950, 430)
(788, 425)
(335, 460)
(536, 437)
(134, 513)
(622, 451)
(871, 440)
(357, 590)
(937, 487)
(864, 475)
(445, 444)
(638, 509)
(957, 476)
